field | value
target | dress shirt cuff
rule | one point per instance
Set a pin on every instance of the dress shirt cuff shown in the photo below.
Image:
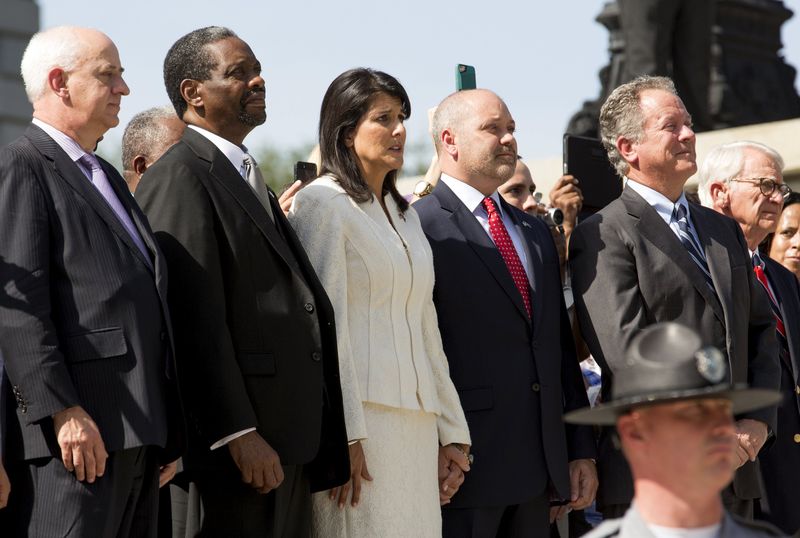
(225, 440)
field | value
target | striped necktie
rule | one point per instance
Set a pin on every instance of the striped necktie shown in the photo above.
(758, 267)
(690, 244)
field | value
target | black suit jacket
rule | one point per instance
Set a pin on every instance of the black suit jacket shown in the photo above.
(629, 271)
(515, 377)
(255, 335)
(83, 316)
(780, 464)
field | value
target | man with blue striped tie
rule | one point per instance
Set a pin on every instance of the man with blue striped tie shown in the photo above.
(651, 256)
(744, 181)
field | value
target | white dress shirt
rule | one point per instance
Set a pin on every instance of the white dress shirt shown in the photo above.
(473, 199)
(664, 207)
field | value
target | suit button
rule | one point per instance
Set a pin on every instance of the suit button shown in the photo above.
(797, 389)
(163, 336)
(797, 438)
(535, 387)
(316, 356)
(309, 307)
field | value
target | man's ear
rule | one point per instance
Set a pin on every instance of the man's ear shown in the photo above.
(629, 428)
(190, 91)
(719, 193)
(139, 164)
(57, 82)
(447, 139)
(628, 150)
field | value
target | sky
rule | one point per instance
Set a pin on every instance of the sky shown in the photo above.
(541, 57)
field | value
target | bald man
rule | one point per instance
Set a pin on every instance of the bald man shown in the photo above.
(505, 331)
(84, 326)
(148, 135)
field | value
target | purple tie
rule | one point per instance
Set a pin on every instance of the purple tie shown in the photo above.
(100, 181)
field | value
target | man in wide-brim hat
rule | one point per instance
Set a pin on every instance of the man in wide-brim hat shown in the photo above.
(673, 405)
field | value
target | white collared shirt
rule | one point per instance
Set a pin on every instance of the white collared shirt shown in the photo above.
(664, 207)
(235, 154)
(473, 200)
(73, 150)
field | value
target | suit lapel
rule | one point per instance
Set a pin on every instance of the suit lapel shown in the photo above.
(653, 228)
(790, 315)
(226, 175)
(480, 242)
(75, 178)
(717, 258)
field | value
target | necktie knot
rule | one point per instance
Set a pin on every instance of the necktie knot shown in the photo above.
(90, 161)
(679, 214)
(490, 206)
(248, 164)
(757, 261)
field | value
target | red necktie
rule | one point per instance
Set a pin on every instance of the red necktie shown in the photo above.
(506, 247)
(758, 267)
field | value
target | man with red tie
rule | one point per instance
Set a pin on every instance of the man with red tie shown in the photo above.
(744, 181)
(505, 331)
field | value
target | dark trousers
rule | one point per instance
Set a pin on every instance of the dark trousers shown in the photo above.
(531, 518)
(47, 501)
(232, 509)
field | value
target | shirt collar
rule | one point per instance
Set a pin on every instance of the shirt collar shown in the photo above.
(235, 154)
(70, 146)
(470, 196)
(663, 205)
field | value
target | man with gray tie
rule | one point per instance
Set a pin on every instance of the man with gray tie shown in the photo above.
(651, 256)
(84, 325)
(255, 335)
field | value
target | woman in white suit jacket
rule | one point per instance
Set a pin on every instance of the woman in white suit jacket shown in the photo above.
(408, 434)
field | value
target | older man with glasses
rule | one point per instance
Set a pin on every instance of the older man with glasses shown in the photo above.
(744, 181)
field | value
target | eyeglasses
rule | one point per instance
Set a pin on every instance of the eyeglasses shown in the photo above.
(767, 185)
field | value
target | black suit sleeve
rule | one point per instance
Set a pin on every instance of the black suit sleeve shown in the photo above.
(185, 225)
(763, 364)
(28, 338)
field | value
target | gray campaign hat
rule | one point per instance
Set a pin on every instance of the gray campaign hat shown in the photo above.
(667, 362)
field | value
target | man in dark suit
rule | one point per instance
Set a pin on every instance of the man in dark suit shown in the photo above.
(651, 256)
(255, 335)
(505, 331)
(744, 180)
(84, 325)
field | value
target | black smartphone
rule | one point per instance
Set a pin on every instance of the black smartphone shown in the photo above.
(465, 77)
(586, 159)
(304, 171)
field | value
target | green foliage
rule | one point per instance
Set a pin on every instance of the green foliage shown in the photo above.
(277, 166)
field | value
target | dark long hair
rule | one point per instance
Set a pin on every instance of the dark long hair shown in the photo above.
(766, 244)
(345, 103)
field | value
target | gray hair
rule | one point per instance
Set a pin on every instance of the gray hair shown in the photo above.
(621, 115)
(725, 162)
(56, 47)
(145, 132)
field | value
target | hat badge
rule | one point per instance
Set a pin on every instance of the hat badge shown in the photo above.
(711, 364)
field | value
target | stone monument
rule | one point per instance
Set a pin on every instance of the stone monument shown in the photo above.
(750, 82)
(19, 20)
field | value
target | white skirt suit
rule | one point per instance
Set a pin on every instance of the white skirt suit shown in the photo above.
(398, 396)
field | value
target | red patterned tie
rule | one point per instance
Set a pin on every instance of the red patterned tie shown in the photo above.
(758, 267)
(508, 252)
